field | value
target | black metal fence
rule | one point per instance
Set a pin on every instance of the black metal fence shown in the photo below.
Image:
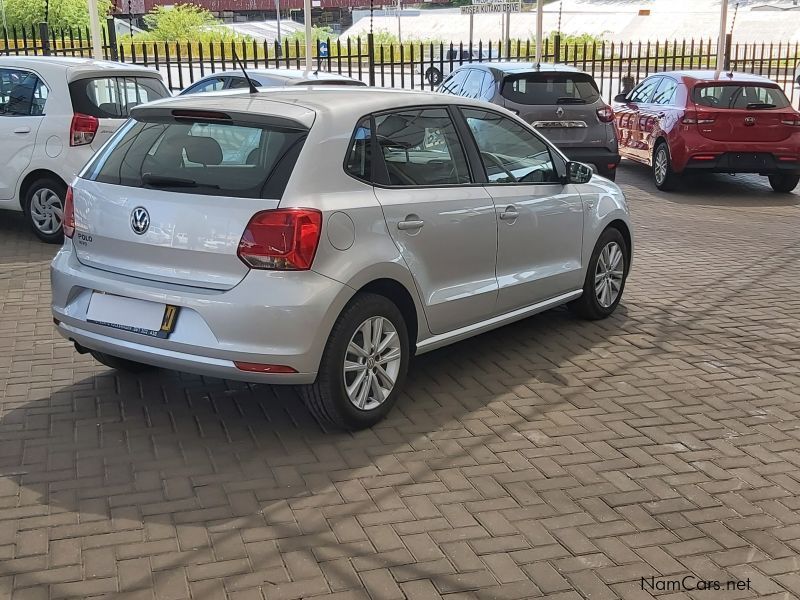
(414, 65)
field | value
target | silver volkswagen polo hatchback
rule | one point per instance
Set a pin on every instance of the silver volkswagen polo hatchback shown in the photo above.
(321, 237)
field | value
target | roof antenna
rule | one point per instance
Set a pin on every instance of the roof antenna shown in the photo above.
(253, 88)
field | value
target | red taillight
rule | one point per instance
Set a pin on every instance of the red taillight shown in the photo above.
(694, 118)
(69, 214)
(791, 122)
(605, 114)
(82, 129)
(261, 368)
(284, 239)
(704, 156)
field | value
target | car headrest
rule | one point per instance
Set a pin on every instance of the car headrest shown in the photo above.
(110, 108)
(203, 150)
(401, 131)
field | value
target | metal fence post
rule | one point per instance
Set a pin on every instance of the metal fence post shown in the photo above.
(44, 37)
(557, 48)
(728, 41)
(371, 58)
(113, 49)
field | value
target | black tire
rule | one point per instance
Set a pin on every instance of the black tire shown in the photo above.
(120, 364)
(327, 397)
(784, 183)
(588, 306)
(433, 76)
(43, 185)
(669, 179)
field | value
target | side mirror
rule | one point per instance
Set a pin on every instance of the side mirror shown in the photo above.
(578, 172)
(621, 98)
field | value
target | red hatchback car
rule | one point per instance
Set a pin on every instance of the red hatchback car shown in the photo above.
(683, 121)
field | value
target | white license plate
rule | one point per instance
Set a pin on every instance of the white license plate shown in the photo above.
(130, 314)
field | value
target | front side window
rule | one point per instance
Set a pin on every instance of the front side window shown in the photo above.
(643, 92)
(510, 153)
(359, 158)
(472, 86)
(454, 83)
(740, 96)
(420, 147)
(215, 159)
(114, 97)
(237, 83)
(548, 88)
(22, 93)
(665, 93)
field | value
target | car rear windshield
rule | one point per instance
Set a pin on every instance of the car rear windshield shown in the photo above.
(114, 97)
(740, 96)
(210, 158)
(550, 88)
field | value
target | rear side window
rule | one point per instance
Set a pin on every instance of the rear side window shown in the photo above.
(114, 97)
(738, 96)
(550, 88)
(215, 159)
(359, 158)
(22, 93)
(421, 148)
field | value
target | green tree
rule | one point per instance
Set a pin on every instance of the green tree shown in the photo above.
(63, 14)
(184, 22)
(317, 33)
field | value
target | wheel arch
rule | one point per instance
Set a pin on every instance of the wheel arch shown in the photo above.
(28, 180)
(398, 294)
(627, 235)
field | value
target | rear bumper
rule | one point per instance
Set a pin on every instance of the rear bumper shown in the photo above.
(603, 159)
(270, 318)
(742, 162)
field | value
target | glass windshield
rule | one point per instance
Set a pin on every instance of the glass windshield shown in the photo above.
(740, 96)
(550, 88)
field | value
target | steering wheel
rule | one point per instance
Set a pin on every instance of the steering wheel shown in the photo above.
(499, 164)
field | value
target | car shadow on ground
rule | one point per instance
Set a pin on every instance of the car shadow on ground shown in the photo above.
(165, 456)
(708, 189)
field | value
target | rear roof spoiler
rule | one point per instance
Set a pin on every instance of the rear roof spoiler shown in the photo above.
(166, 113)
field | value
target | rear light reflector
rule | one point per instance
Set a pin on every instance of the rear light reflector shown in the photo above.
(704, 156)
(261, 368)
(82, 129)
(283, 239)
(68, 223)
(789, 158)
(605, 114)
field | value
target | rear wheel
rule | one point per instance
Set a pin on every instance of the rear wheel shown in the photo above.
(44, 209)
(120, 364)
(605, 277)
(663, 175)
(363, 367)
(784, 183)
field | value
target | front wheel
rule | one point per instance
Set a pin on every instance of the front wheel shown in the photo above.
(44, 207)
(363, 366)
(433, 76)
(605, 277)
(784, 184)
(663, 175)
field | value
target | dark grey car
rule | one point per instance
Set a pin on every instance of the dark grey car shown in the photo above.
(562, 102)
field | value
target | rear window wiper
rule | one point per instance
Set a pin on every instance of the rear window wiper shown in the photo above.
(569, 100)
(162, 181)
(758, 105)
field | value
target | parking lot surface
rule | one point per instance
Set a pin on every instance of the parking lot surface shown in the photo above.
(552, 457)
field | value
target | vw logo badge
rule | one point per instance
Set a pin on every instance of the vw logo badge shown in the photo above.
(559, 112)
(140, 220)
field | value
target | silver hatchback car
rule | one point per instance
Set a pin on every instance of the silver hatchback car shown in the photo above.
(324, 236)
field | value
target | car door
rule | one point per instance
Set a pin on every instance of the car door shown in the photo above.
(442, 222)
(631, 129)
(23, 96)
(654, 116)
(540, 219)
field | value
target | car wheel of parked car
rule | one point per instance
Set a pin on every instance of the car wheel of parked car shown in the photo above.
(120, 364)
(44, 208)
(605, 277)
(433, 76)
(784, 183)
(663, 175)
(364, 365)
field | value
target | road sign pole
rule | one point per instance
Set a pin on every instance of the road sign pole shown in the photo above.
(723, 23)
(508, 33)
(539, 29)
(471, 29)
(94, 30)
(307, 19)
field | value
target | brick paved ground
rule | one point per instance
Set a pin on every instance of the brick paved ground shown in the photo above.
(550, 458)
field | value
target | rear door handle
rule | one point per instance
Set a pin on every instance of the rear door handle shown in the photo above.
(509, 214)
(410, 225)
(22, 130)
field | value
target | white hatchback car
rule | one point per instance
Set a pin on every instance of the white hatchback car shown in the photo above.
(54, 113)
(324, 236)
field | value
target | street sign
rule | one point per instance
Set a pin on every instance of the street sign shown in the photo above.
(480, 7)
(323, 49)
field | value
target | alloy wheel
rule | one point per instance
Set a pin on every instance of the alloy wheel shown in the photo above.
(47, 211)
(661, 165)
(608, 274)
(372, 363)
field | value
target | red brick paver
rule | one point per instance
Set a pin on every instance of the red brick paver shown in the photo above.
(552, 457)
